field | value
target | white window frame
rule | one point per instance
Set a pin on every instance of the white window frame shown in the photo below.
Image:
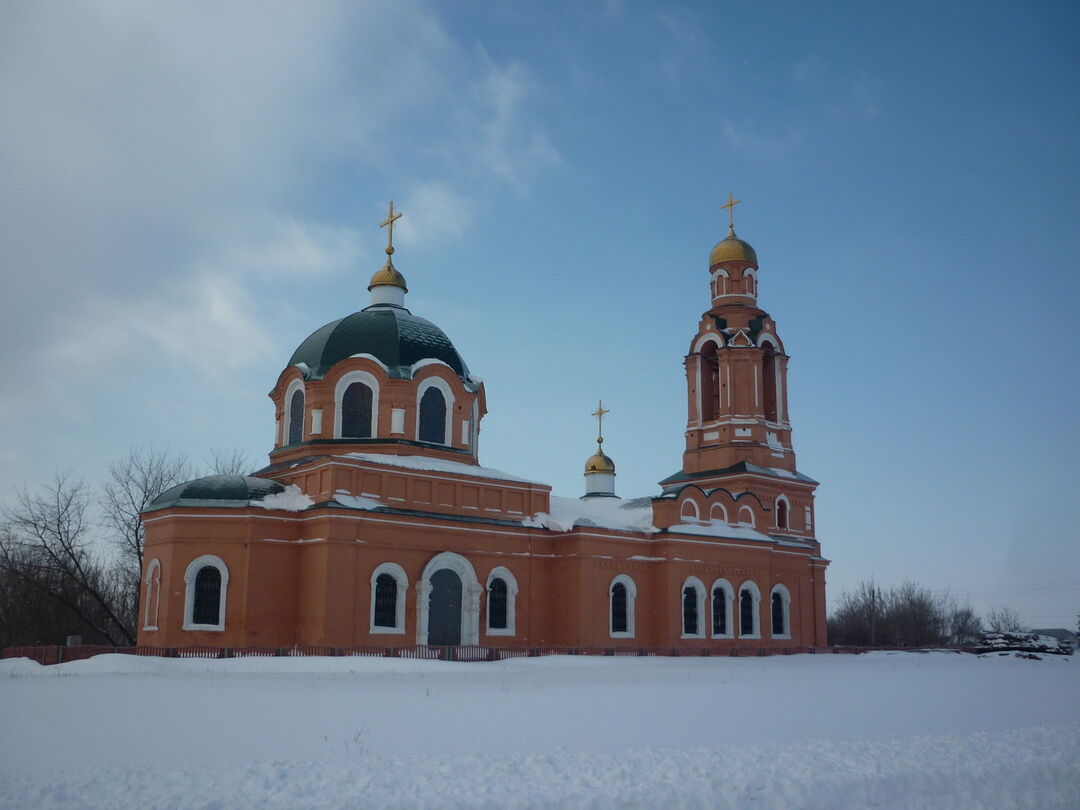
(154, 568)
(702, 616)
(776, 512)
(749, 272)
(631, 605)
(511, 603)
(287, 417)
(402, 581)
(755, 592)
(752, 523)
(723, 512)
(190, 574)
(785, 600)
(729, 600)
(448, 396)
(356, 376)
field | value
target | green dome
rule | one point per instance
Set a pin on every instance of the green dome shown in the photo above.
(392, 334)
(217, 490)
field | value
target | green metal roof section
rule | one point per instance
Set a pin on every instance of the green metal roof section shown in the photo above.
(230, 491)
(392, 334)
(740, 467)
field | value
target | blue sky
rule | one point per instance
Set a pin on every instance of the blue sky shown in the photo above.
(190, 191)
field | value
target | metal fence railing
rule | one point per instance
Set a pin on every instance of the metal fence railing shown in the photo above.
(57, 654)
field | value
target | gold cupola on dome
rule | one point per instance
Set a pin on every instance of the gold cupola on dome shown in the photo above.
(731, 248)
(599, 469)
(387, 286)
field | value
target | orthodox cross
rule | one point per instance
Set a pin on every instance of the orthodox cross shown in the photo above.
(388, 223)
(599, 414)
(730, 206)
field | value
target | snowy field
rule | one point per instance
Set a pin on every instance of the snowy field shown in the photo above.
(887, 730)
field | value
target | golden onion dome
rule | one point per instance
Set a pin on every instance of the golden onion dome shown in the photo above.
(599, 463)
(733, 249)
(388, 275)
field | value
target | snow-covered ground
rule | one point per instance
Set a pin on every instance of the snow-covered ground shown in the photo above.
(896, 730)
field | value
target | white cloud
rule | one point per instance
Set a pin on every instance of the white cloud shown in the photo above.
(434, 212)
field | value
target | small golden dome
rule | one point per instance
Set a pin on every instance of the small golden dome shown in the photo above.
(733, 249)
(599, 463)
(388, 276)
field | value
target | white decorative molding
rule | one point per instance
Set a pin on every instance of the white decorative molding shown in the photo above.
(192, 572)
(699, 606)
(728, 600)
(153, 595)
(316, 421)
(397, 421)
(504, 574)
(402, 581)
(448, 397)
(755, 595)
(294, 386)
(785, 607)
(347, 379)
(631, 605)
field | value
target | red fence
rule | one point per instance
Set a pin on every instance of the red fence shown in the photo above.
(58, 654)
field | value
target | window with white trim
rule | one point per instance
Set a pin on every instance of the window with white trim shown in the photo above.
(389, 589)
(782, 510)
(153, 595)
(356, 411)
(749, 610)
(502, 589)
(689, 511)
(206, 583)
(723, 598)
(780, 609)
(693, 608)
(746, 516)
(622, 594)
(295, 418)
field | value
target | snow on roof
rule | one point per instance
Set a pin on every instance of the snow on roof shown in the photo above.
(719, 528)
(438, 465)
(606, 513)
(357, 501)
(633, 515)
(291, 500)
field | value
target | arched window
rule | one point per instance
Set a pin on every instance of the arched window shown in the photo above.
(781, 512)
(722, 598)
(153, 595)
(497, 604)
(710, 383)
(356, 411)
(693, 606)
(689, 511)
(433, 416)
(768, 381)
(781, 612)
(622, 595)
(749, 601)
(296, 417)
(206, 581)
(502, 591)
(746, 516)
(385, 601)
(389, 587)
(718, 512)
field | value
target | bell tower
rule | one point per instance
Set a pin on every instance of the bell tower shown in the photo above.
(736, 372)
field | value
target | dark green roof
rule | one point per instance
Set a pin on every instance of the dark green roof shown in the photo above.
(392, 334)
(232, 491)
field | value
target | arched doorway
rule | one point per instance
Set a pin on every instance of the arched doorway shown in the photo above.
(448, 602)
(444, 609)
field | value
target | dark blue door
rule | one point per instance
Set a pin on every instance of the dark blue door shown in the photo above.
(444, 609)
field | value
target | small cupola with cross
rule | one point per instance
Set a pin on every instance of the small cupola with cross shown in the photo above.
(599, 469)
(387, 286)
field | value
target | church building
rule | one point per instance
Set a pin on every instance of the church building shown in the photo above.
(374, 522)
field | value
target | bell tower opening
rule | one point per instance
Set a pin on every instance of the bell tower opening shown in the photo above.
(768, 382)
(710, 383)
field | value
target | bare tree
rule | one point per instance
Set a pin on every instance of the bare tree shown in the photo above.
(1002, 619)
(133, 483)
(45, 547)
(230, 462)
(908, 615)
